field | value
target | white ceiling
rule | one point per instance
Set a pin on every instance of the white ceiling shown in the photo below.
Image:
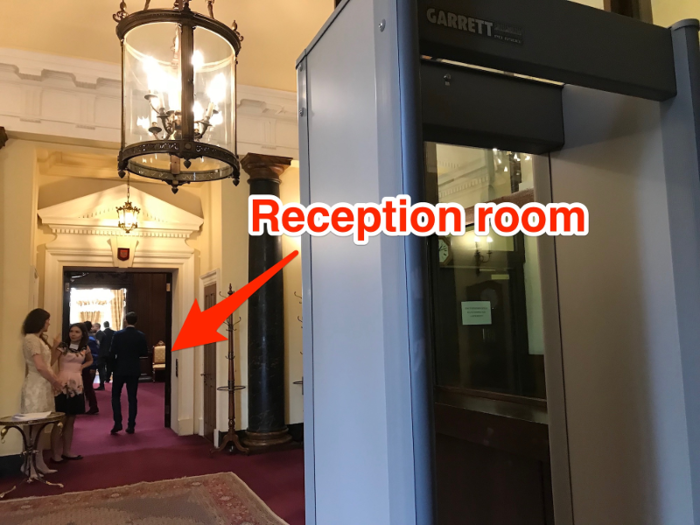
(275, 31)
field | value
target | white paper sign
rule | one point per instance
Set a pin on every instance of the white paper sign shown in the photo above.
(476, 313)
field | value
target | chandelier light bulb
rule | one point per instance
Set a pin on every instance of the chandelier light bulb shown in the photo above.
(197, 60)
(198, 111)
(216, 119)
(217, 89)
(155, 75)
(143, 122)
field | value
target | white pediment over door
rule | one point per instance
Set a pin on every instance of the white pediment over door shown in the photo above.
(97, 213)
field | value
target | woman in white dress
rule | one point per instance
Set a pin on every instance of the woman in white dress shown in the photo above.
(39, 380)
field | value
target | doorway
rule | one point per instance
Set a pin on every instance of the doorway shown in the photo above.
(490, 401)
(108, 294)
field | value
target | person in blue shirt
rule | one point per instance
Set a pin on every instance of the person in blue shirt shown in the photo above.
(89, 373)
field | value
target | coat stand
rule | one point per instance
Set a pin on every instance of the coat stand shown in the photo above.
(230, 440)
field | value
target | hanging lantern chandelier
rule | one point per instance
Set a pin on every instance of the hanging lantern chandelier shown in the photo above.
(128, 213)
(178, 95)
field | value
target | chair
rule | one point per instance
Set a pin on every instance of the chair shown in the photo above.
(158, 358)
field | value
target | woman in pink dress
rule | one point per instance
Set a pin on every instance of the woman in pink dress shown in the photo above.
(72, 356)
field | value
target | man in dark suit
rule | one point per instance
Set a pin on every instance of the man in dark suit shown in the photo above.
(97, 328)
(104, 363)
(127, 347)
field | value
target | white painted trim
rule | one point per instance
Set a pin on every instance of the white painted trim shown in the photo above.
(34, 64)
(56, 96)
(96, 212)
(183, 297)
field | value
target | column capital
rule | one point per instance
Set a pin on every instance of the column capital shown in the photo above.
(265, 167)
(3, 137)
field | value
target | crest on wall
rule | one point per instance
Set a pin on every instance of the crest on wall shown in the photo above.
(123, 254)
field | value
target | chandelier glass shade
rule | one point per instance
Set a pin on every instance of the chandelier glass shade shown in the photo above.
(178, 96)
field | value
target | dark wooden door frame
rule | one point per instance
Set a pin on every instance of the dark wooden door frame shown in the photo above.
(209, 377)
(168, 345)
(68, 271)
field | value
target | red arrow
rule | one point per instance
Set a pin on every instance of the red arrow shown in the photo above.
(200, 328)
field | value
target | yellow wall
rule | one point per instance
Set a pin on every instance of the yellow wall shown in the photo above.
(668, 12)
(599, 4)
(665, 12)
(234, 271)
(275, 31)
(18, 198)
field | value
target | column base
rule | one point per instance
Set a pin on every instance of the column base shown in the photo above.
(264, 441)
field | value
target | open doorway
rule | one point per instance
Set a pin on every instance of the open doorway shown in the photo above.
(107, 294)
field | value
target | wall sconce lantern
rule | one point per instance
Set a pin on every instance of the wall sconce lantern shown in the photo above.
(128, 213)
(479, 258)
(178, 95)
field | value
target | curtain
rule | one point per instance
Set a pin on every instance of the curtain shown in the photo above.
(117, 308)
(93, 304)
(94, 316)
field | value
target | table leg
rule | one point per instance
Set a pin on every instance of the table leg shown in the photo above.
(25, 459)
(32, 450)
(29, 451)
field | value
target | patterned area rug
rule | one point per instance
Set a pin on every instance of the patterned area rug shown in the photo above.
(214, 499)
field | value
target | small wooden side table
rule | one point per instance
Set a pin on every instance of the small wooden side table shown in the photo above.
(30, 446)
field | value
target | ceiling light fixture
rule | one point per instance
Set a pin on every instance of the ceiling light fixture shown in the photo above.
(128, 213)
(178, 95)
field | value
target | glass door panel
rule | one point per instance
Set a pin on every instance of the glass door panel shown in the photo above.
(487, 299)
(490, 411)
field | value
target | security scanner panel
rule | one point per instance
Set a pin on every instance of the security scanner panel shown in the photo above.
(489, 379)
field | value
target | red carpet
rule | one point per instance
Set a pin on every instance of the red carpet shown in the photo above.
(155, 453)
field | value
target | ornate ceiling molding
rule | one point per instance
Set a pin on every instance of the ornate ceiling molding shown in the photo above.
(81, 99)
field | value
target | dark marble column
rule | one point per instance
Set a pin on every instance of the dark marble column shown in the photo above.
(266, 371)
